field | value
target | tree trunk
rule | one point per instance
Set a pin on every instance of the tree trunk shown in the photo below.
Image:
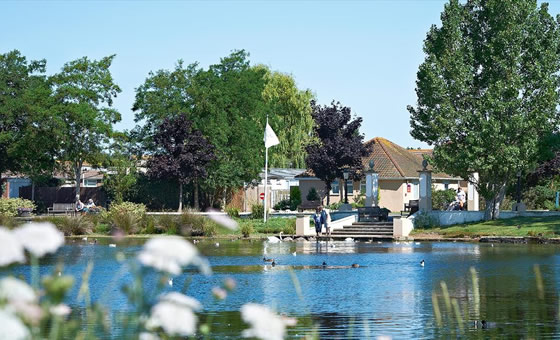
(33, 190)
(195, 203)
(180, 197)
(78, 175)
(328, 194)
(492, 211)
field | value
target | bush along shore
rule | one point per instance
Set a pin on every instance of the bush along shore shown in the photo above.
(131, 219)
(513, 230)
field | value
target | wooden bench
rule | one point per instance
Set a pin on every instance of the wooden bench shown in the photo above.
(373, 214)
(411, 207)
(310, 205)
(59, 208)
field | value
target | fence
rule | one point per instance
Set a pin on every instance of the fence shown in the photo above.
(46, 196)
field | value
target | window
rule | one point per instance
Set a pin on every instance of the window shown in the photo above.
(334, 188)
(446, 185)
(350, 186)
(363, 186)
(90, 182)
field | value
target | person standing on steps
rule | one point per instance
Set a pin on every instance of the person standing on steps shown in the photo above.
(325, 219)
(461, 198)
(317, 221)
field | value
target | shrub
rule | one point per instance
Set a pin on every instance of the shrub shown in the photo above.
(442, 198)
(197, 225)
(9, 206)
(334, 206)
(167, 224)
(232, 211)
(137, 209)
(149, 224)
(284, 205)
(424, 220)
(247, 229)
(73, 225)
(295, 197)
(290, 228)
(257, 211)
(8, 221)
(539, 197)
(127, 216)
(312, 195)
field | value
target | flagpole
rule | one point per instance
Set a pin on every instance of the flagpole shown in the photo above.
(265, 173)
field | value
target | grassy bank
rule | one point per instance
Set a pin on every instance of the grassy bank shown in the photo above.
(520, 226)
(144, 226)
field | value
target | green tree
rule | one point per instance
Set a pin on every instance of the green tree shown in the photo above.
(120, 181)
(289, 110)
(83, 93)
(28, 142)
(224, 102)
(488, 91)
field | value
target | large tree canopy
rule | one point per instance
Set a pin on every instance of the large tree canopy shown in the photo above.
(84, 92)
(289, 111)
(228, 103)
(182, 153)
(338, 143)
(488, 90)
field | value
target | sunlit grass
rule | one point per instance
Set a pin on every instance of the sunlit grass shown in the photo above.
(519, 226)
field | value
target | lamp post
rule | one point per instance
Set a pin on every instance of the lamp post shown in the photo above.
(519, 186)
(345, 174)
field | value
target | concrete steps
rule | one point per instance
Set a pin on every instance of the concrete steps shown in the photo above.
(365, 230)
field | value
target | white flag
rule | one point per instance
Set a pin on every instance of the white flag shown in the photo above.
(270, 138)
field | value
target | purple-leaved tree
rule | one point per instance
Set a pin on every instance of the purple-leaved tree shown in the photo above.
(183, 153)
(338, 143)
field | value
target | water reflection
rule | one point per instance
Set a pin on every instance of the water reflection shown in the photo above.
(389, 294)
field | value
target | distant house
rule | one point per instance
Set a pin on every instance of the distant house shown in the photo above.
(279, 182)
(398, 177)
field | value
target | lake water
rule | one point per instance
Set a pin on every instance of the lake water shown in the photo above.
(389, 294)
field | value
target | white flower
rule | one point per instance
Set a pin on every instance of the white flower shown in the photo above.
(265, 324)
(182, 300)
(10, 249)
(60, 310)
(170, 253)
(15, 290)
(222, 219)
(148, 336)
(11, 327)
(39, 238)
(30, 312)
(174, 314)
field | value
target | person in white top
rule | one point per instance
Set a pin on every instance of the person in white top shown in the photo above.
(460, 197)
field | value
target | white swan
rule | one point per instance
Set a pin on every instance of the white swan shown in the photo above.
(294, 253)
(112, 245)
(170, 282)
(349, 239)
(274, 239)
(217, 244)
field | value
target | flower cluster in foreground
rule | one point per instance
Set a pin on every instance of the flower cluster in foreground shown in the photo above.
(32, 312)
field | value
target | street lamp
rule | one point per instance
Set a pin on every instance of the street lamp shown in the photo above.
(345, 174)
(519, 186)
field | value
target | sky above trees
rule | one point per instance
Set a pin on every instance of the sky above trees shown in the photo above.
(364, 54)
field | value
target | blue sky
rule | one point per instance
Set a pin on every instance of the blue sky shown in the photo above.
(364, 54)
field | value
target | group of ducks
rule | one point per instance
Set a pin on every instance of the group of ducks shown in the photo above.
(324, 264)
(112, 245)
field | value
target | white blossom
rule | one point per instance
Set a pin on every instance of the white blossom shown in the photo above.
(222, 219)
(10, 249)
(148, 336)
(30, 312)
(60, 310)
(15, 290)
(182, 300)
(174, 314)
(11, 327)
(265, 324)
(170, 253)
(39, 238)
